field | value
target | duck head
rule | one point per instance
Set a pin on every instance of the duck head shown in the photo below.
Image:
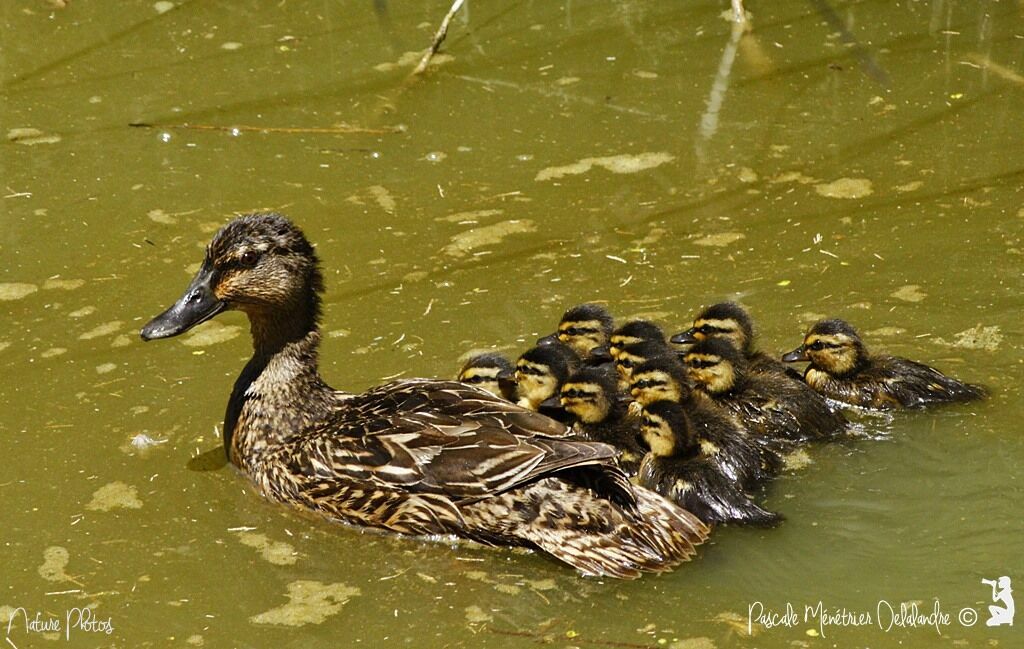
(724, 320)
(667, 430)
(584, 329)
(633, 332)
(659, 379)
(715, 365)
(588, 394)
(540, 371)
(632, 355)
(831, 346)
(261, 264)
(492, 372)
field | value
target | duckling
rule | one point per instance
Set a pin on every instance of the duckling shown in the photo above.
(540, 372)
(685, 468)
(629, 356)
(415, 456)
(767, 406)
(842, 369)
(731, 321)
(585, 329)
(492, 372)
(633, 332)
(591, 396)
(746, 459)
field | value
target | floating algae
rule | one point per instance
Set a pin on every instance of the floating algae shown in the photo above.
(845, 188)
(276, 552)
(55, 560)
(979, 337)
(909, 293)
(618, 164)
(113, 496)
(104, 329)
(309, 602)
(16, 290)
(719, 240)
(211, 333)
(467, 241)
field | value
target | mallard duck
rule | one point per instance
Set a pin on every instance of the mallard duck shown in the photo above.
(634, 332)
(731, 321)
(601, 414)
(766, 405)
(585, 328)
(540, 372)
(746, 459)
(417, 456)
(685, 468)
(842, 369)
(492, 372)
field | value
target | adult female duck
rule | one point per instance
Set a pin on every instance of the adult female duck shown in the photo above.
(418, 456)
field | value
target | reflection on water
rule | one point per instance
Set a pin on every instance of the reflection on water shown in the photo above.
(467, 209)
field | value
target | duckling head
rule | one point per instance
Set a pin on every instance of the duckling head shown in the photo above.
(667, 430)
(632, 355)
(584, 329)
(724, 320)
(633, 332)
(490, 371)
(588, 394)
(715, 365)
(662, 378)
(831, 346)
(261, 264)
(540, 371)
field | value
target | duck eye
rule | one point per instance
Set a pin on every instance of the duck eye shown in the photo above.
(706, 329)
(817, 345)
(571, 331)
(625, 362)
(249, 258)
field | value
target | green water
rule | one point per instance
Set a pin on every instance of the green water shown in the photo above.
(922, 115)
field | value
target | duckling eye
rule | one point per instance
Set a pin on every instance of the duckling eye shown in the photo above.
(473, 379)
(627, 363)
(249, 258)
(571, 331)
(642, 384)
(817, 346)
(705, 329)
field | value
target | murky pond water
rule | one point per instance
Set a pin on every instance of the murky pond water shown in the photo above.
(856, 159)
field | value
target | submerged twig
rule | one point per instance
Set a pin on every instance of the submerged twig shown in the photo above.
(863, 55)
(439, 37)
(333, 130)
(999, 70)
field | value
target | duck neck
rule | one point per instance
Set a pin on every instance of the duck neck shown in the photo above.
(279, 392)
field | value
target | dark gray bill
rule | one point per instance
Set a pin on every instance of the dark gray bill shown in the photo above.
(683, 338)
(798, 354)
(197, 305)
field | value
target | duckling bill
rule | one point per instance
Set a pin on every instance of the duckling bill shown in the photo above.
(418, 456)
(842, 369)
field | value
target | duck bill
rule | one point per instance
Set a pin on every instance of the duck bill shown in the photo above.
(795, 356)
(683, 338)
(550, 339)
(197, 305)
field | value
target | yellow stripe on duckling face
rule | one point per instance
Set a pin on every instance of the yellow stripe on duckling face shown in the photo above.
(536, 384)
(649, 387)
(582, 335)
(711, 371)
(704, 328)
(836, 354)
(618, 341)
(658, 435)
(586, 401)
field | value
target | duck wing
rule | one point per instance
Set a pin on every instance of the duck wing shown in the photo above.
(448, 439)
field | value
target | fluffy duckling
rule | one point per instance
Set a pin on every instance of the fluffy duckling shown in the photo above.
(842, 369)
(745, 459)
(592, 397)
(585, 330)
(629, 356)
(415, 456)
(540, 372)
(685, 468)
(634, 332)
(731, 321)
(492, 372)
(767, 406)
